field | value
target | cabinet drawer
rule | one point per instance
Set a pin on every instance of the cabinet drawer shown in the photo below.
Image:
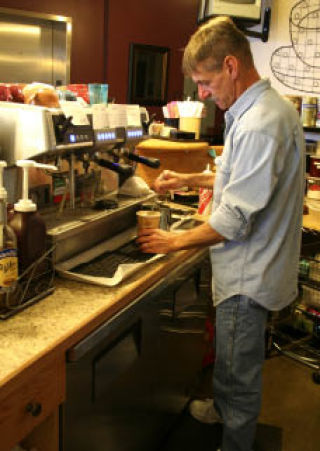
(29, 399)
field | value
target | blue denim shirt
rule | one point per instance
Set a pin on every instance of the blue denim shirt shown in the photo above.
(258, 200)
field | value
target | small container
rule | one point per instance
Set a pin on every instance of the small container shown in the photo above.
(98, 93)
(309, 111)
(165, 217)
(318, 113)
(311, 147)
(191, 124)
(205, 198)
(313, 190)
(148, 219)
(314, 166)
(104, 89)
(94, 93)
(155, 128)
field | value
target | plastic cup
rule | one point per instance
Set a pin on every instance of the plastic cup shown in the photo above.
(148, 219)
(94, 93)
(190, 124)
(104, 88)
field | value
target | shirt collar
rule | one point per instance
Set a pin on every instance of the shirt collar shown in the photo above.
(247, 98)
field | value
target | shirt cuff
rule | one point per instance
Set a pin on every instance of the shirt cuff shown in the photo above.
(225, 222)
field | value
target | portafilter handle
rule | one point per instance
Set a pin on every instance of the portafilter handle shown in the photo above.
(123, 169)
(151, 162)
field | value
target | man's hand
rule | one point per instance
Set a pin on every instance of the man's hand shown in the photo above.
(156, 241)
(169, 180)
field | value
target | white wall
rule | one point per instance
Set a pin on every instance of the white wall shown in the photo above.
(300, 78)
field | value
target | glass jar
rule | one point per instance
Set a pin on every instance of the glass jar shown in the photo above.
(309, 111)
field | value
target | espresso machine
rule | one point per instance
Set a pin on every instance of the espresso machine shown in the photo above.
(81, 151)
(113, 158)
(85, 150)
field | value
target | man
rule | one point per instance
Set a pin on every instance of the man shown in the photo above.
(254, 230)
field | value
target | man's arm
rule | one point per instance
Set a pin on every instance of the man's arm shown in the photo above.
(161, 242)
(169, 180)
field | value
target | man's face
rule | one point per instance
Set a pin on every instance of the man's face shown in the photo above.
(216, 85)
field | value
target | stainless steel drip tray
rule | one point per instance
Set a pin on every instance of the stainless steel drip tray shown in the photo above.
(108, 263)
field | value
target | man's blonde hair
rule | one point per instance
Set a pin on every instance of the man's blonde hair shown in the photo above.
(212, 42)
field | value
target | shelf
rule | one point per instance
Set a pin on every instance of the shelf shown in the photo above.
(312, 129)
(310, 177)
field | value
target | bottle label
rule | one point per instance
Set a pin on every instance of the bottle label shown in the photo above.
(205, 201)
(8, 267)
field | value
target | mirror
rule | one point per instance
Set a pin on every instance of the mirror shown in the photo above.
(148, 74)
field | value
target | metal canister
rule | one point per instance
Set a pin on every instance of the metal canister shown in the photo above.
(165, 217)
(318, 113)
(309, 111)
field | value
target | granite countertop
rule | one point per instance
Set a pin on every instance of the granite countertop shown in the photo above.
(74, 310)
(70, 313)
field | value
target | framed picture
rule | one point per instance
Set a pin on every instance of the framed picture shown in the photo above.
(148, 74)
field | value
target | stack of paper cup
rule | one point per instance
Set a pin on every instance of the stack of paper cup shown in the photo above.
(190, 113)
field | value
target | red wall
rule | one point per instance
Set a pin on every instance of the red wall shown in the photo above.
(165, 23)
(100, 50)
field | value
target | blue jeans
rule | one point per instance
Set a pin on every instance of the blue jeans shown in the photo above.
(237, 379)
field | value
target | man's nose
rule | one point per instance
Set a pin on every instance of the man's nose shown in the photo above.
(203, 92)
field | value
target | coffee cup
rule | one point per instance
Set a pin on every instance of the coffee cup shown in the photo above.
(148, 219)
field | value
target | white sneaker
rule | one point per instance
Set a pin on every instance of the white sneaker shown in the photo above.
(204, 411)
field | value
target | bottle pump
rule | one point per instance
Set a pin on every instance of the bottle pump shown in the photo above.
(26, 222)
(25, 204)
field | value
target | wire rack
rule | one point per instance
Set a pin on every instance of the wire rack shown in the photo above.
(35, 283)
(309, 285)
(298, 336)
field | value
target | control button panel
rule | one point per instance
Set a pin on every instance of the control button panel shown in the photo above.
(134, 133)
(105, 136)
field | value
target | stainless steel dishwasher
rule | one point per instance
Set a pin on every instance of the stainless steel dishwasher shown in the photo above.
(130, 379)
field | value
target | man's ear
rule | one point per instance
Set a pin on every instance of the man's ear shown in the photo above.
(232, 66)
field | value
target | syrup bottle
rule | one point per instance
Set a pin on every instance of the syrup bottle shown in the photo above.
(8, 244)
(27, 223)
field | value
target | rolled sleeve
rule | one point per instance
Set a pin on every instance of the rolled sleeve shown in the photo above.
(251, 178)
